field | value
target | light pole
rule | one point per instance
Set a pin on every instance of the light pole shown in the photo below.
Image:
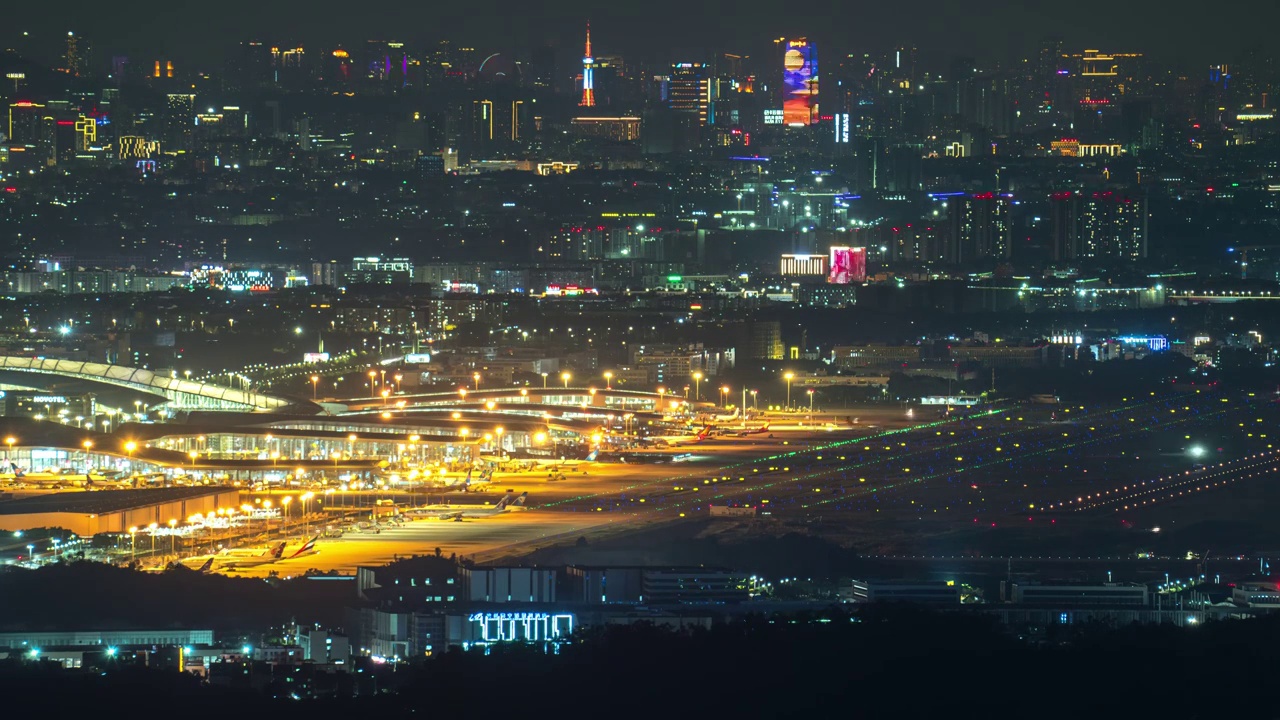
(315, 383)
(608, 380)
(744, 406)
(755, 400)
(306, 519)
(129, 447)
(810, 392)
(476, 376)
(385, 394)
(697, 386)
(173, 537)
(10, 441)
(544, 381)
(789, 376)
(565, 376)
(724, 396)
(133, 542)
(373, 388)
(87, 444)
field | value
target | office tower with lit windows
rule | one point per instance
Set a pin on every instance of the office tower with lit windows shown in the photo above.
(690, 91)
(978, 227)
(1101, 226)
(179, 119)
(75, 58)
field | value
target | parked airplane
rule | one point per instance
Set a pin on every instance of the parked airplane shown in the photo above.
(249, 558)
(760, 430)
(446, 512)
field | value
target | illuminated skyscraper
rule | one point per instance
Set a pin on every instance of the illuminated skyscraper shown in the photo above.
(588, 69)
(800, 83)
(691, 91)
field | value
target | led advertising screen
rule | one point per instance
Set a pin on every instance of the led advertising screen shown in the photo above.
(848, 265)
(800, 83)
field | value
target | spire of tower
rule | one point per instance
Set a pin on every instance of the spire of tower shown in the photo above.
(588, 52)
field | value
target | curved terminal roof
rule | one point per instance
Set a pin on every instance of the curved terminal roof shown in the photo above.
(180, 392)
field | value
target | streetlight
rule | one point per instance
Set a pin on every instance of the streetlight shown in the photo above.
(697, 386)
(372, 387)
(565, 377)
(789, 376)
(152, 528)
(755, 400)
(608, 380)
(173, 537)
(10, 441)
(129, 447)
(810, 392)
(724, 396)
(133, 542)
(385, 394)
(315, 383)
(476, 376)
(544, 381)
(305, 518)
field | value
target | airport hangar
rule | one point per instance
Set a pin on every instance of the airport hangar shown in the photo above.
(89, 513)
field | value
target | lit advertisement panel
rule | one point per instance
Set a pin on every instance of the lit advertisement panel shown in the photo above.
(800, 83)
(848, 265)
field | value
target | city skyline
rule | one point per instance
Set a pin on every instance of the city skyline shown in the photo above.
(995, 33)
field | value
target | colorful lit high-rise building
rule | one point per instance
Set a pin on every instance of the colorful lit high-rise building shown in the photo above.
(588, 69)
(800, 83)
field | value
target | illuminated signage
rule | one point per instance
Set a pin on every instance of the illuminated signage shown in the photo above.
(315, 357)
(523, 626)
(773, 116)
(417, 358)
(570, 291)
(848, 265)
(800, 83)
(48, 399)
(841, 123)
(1155, 344)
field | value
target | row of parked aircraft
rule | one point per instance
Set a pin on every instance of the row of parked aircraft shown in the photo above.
(233, 558)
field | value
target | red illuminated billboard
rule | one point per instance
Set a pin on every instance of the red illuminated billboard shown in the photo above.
(848, 265)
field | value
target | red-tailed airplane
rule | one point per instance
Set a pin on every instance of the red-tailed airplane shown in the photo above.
(762, 429)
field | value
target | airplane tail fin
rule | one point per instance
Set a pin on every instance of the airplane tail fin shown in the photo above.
(207, 567)
(277, 551)
(308, 547)
(520, 500)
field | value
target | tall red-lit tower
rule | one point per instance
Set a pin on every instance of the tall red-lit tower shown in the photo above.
(588, 69)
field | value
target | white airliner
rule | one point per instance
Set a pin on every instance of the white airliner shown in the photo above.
(458, 513)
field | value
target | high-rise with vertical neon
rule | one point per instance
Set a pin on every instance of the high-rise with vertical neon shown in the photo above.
(588, 69)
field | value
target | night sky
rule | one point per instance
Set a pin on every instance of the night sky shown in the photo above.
(1179, 31)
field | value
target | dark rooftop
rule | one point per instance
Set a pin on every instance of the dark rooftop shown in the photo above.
(96, 503)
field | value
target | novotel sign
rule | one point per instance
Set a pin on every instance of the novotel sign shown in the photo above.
(48, 399)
